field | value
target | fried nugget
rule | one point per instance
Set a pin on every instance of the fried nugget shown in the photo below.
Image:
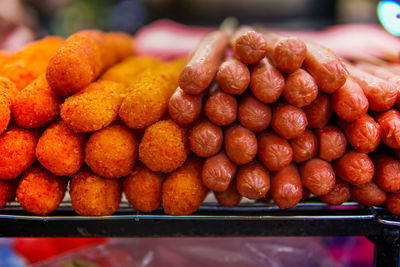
(94, 108)
(143, 188)
(164, 146)
(148, 96)
(60, 150)
(26, 65)
(39, 191)
(36, 104)
(8, 91)
(112, 151)
(8, 189)
(92, 195)
(183, 191)
(17, 150)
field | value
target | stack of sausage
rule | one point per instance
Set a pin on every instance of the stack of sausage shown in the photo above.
(90, 114)
(308, 123)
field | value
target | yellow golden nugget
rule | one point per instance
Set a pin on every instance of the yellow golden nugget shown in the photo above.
(126, 71)
(148, 96)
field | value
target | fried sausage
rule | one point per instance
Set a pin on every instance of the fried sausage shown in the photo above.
(383, 73)
(221, 108)
(387, 172)
(317, 176)
(253, 180)
(286, 53)
(300, 88)
(368, 194)
(390, 127)
(184, 108)
(339, 194)
(305, 146)
(233, 76)
(392, 203)
(274, 152)
(266, 82)
(199, 72)
(240, 144)
(364, 134)
(354, 167)
(288, 121)
(381, 94)
(332, 143)
(205, 139)
(326, 67)
(230, 197)
(248, 45)
(286, 188)
(319, 111)
(349, 101)
(218, 171)
(253, 114)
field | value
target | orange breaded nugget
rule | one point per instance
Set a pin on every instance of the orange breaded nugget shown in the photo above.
(126, 71)
(26, 65)
(8, 189)
(80, 60)
(40, 191)
(120, 43)
(183, 191)
(60, 150)
(17, 150)
(36, 104)
(92, 195)
(143, 188)
(112, 151)
(148, 96)
(164, 146)
(8, 91)
(93, 108)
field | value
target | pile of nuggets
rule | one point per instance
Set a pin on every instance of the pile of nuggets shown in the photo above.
(281, 120)
(77, 112)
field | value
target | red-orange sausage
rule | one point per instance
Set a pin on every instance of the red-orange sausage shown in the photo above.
(205, 139)
(326, 67)
(393, 203)
(339, 194)
(253, 180)
(319, 111)
(300, 88)
(364, 134)
(305, 146)
(354, 167)
(274, 151)
(288, 121)
(332, 143)
(266, 82)
(199, 72)
(317, 176)
(253, 114)
(230, 197)
(240, 144)
(286, 53)
(218, 172)
(349, 101)
(286, 188)
(248, 45)
(384, 73)
(390, 127)
(387, 172)
(184, 108)
(368, 194)
(233, 76)
(381, 94)
(221, 108)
